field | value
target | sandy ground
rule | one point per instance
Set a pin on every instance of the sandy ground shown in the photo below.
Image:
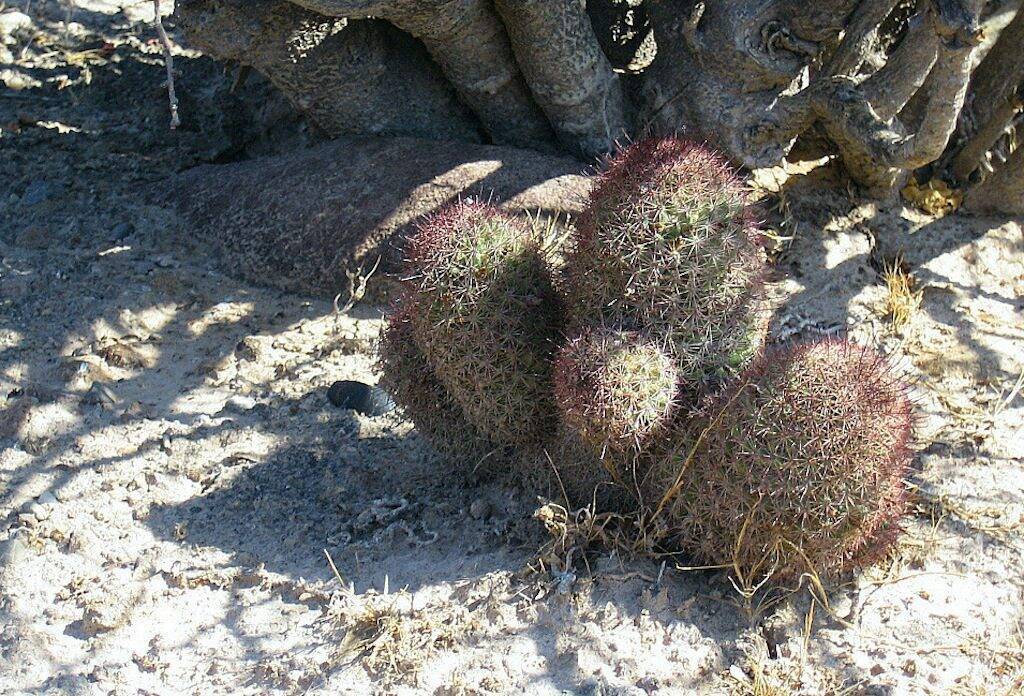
(175, 485)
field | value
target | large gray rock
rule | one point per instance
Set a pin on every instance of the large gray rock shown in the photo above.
(299, 221)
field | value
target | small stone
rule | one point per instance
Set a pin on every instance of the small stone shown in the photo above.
(876, 670)
(101, 395)
(12, 23)
(360, 397)
(37, 192)
(34, 237)
(28, 519)
(121, 230)
(248, 349)
(910, 668)
(842, 605)
(737, 673)
(39, 511)
(47, 498)
(480, 509)
(102, 618)
(239, 403)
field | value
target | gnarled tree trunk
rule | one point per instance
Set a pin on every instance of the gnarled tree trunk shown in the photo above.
(885, 81)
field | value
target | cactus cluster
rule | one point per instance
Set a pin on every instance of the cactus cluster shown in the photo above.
(634, 364)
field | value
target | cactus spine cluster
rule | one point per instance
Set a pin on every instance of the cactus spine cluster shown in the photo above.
(637, 369)
(669, 246)
(615, 388)
(800, 468)
(485, 314)
(408, 377)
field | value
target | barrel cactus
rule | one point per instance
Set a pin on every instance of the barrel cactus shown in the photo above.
(796, 467)
(485, 313)
(617, 389)
(669, 245)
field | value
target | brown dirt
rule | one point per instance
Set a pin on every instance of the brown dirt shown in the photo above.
(171, 472)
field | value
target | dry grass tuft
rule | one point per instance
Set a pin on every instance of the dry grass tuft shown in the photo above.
(989, 520)
(577, 534)
(904, 300)
(934, 197)
(392, 638)
(757, 674)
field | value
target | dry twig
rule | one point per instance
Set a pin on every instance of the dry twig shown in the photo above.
(169, 62)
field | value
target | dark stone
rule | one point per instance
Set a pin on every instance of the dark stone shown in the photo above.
(37, 192)
(359, 397)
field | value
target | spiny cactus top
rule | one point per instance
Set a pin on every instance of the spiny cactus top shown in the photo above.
(800, 466)
(485, 313)
(616, 388)
(669, 245)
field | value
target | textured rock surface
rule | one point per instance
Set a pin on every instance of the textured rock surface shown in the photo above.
(299, 221)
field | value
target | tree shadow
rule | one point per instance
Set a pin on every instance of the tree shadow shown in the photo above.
(841, 248)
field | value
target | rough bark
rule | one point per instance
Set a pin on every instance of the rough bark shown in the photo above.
(1003, 191)
(347, 77)
(883, 80)
(487, 51)
(996, 96)
(568, 73)
(745, 76)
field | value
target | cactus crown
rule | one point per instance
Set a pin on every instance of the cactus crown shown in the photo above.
(459, 254)
(615, 388)
(803, 464)
(668, 245)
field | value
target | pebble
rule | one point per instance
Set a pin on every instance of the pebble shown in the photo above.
(47, 498)
(360, 397)
(239, 403)
(37, 192)
(40, 512)
(121, 230)
(34, 237)
(479, 509)
(248, 349)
